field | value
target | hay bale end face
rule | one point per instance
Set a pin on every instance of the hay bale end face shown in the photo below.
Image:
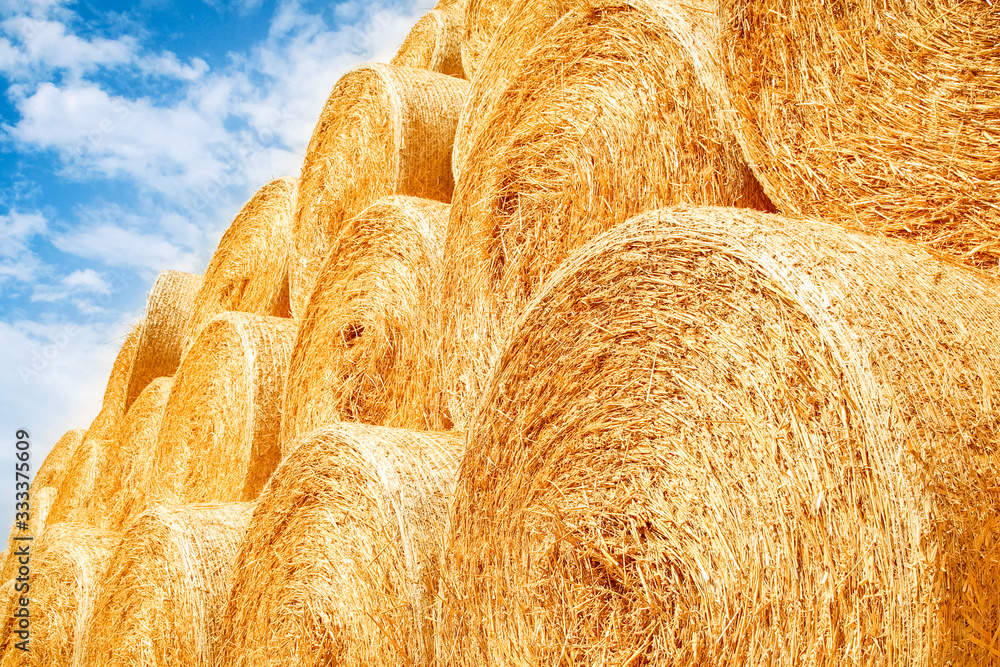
(75, 501)
(882, 115)
(162, 596)
(120, 488)
(161, 342)
(67, 563)
(434, 43)
(218, 440)
(249, 270)
(612, 112)
(718, 436)
(364, 350)
(385, 130)
(341, 563)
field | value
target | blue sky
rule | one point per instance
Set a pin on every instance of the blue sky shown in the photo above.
(130, 136)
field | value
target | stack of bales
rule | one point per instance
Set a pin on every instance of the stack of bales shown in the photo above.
(524, 369)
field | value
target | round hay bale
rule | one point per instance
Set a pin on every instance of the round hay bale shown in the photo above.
(882, 115)
(8, 598)
(612, 113)
(719, 436)
(341, 561)
(218, 440)
(523, 21)
(59, 457)
(120, 488)
(67, 564)
(479, 25)
(165, 588)
(249, 270)
(434, 43)
(40, 504)
(113, 404)
(364, 350)
(158, 351)
(385, 130)
(74, 501)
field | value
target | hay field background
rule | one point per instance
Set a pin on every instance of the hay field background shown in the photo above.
(592, 332)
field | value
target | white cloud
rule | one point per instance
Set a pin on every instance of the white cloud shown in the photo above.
(79, 282)
(45, 44)
(117, 246)
(17, 261)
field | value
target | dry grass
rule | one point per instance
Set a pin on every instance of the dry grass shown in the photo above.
(523, 22)
(66, 564)
(725, 437)
(218, 441)
(249, 270)
(161, 342)
(434, 43)
(384, 130)
(161, 600)
(113, 404)
(73, 501)
(119, 490)
(54, 466)
(884, 115)
(614, 111)
(364, 350)
(341, 563)
(480, 21)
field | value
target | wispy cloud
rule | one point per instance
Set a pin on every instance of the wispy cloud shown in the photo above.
(17, 261)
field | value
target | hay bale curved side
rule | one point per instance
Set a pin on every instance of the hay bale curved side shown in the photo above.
(364, 349)
(720, 437)
(68, 561)
(218, 440)
(113, 403)
(341, 563)
(161, 341)
(249, 271)
(384, 130)
(480, 20)
(165, 587)
(434, 44)
(74, 501)
(58, 459)
(120, 488)
(612, 113)
(882, 115)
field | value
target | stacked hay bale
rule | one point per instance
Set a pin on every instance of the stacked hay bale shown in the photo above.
(67, 562)
(161, 342)
(720, 437)
(434, 43)
(218, 440)
(385, 130)
(122, 487)
(613, 112)
(340, 565)
(161, 599)
(113, 406)
(883, 116)
(364, 349)
(249, 270)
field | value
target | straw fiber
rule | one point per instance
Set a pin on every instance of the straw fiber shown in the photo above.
(434, 43)
(113, 404)
(39, 506)
(480, 23)
(524, 21)
(723, 437)
(120, 488)
(161, 599)
(161, 342)
(341, 563)
(66, 565)
(54, 466)
(218, 441)
(613, 112)
(364, 350)
(8, 598)
(385, 130)
(884, 115)
(249, 270)
(74, 500)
